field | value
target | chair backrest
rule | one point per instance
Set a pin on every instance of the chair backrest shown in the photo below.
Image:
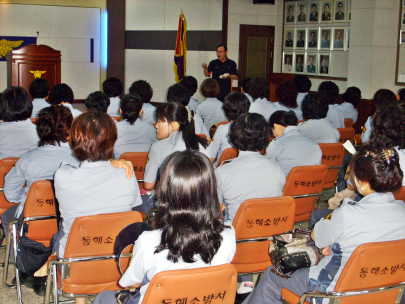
(90, 236)
(373, 265)
(214, 128)
(202, 135)
(332, 157)
(348, 123)
(214, 285)
(117, 118)
(260, 218)
(305, 184)
(222, 123)
(400, 194)
(40, 212)
(34, 120)
(5, 166)
(227, 154)
(138, 160)
(346, 134)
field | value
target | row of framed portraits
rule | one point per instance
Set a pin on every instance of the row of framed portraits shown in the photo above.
(316, 38)
(302, 12)
(307, 63)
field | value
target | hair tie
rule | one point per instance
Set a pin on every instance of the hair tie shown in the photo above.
(388, 155)
(189, 113)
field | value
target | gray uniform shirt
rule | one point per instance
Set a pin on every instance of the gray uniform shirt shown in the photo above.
(193, 104)
(294, 149)
(199, 126)
(93, 188)
(264, 107)
(17, 137)
(149, 113)
(114, 108)
(348, 110)
(75, 112)
(249, 97)
(250, 175)
(162, 149)
(220, 142)
(300, 98)
(365, 136)
(38, 105)
(37, 164)
(296, 110)
(211, 112)
(134, 138)
(321, 131)
(335, 117)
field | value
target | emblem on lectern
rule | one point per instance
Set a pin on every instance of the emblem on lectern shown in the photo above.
(6, 46)
(37, 74)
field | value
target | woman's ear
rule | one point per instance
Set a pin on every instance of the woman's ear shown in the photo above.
(175, 126)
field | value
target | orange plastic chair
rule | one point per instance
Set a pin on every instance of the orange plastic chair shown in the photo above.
(34, 120)
(202, 135)
(305, 185)
(332, 157)
(348, 123)
(227, 155)
(346, 134)
(400, 194)
(138, 160)
(88, 266)
(375, 273)
(212, 133)
(214, 285)
(255, 223)
(117, 118)
(5, 166)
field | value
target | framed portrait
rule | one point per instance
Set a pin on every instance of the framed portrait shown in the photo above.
(302, 12)
(288, 38)
(312, 40)
(326, 11)
(349, 9)
(324, 64)
(299, 63)
(311, 64)
(301, 38)
(340, 11)
(288, 60)
(347, 38)
(313, 12)
(402, 37)
(339, 38)
(403, 19)
(326, 34)
(290, 12)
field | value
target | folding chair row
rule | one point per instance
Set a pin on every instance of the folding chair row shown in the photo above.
(5, 166)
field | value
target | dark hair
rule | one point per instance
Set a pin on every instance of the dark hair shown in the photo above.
(329, 91)
(314, 106)
(303, 83)
(259, 88)
(131, 105)
(340, 4)
(39, 88)
(245, 84)
(219, 45)
(209, 88)
(326, 5)
(53, 125)
(143, 89)
(189, 213)
(191, 84)
(235, 104)
(175, 111)
(313, 33)
(401, 94)
(97, 101)
(383, 97)
(302, 5)
(352, 95)
(15, 105)
(249, 132)
(283, 118)
(286, 93)
(379, 167)
(61, 93)
(388, 126)
(112, 87)
(178, 93)
(313, 5)
(92, 136)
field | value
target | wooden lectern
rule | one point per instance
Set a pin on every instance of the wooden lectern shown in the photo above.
(33, 61)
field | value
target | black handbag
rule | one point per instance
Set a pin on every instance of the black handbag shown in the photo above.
(293, 250)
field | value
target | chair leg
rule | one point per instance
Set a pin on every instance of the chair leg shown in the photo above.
(17, 271)
(48, 284)
(7, 258)
(55, 284)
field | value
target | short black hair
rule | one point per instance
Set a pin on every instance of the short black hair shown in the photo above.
(314, 106)
(15, 105)
(302, 83)
(112, 87)
(286, 93)
(246, 84)
(249, 132)
(39, 88)
(313, 5)
(401, 94)
(352, 95)
(340, 4)
(329, 90)
(283, 118)
(326, 5)
(98, 101)
(131, 105)
(219, 45)
(259, 88)
(191, 83)
(61, 93)
(383, 97)
(235, 104)
(143, 89)
(178, 93)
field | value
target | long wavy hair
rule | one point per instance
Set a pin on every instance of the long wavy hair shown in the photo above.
(189, 209)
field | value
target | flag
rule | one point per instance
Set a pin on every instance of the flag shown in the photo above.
(180, 60)
(8, 43)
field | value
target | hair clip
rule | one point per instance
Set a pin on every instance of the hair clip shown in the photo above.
(189, 113)
(388, 155)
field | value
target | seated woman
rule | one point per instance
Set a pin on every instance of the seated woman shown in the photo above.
(352, 98)
(189, 231)
(17, 133)
(287, 94)
(98, 101)
(210, 109)
(143, 89)
(259, 89)
(62, 94)
(317, 127)
(234, 105)
(376, 174)
(134, 135)
(290, 148)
